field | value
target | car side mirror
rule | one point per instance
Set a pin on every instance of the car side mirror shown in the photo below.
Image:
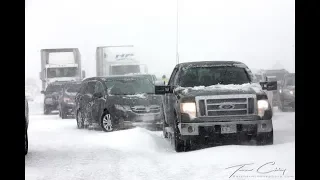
(269, 86)
(163, 89)
(42, 92)
(98, 95)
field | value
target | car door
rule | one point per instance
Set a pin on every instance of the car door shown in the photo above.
(170, 99)
(87, 100)
(98, 103)
(78, 98)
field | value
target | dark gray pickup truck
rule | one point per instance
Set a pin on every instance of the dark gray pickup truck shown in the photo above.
(213, 101)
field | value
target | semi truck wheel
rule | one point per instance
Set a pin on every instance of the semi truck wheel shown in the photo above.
(265, 138)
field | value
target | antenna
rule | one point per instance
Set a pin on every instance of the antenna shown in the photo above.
(177, 36)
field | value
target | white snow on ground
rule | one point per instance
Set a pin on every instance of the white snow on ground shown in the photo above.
(58, 150)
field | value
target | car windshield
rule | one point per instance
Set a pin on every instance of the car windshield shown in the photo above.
(129, 86)
(54, 88)
(207, 76)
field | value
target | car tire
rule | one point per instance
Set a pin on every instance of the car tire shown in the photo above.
(79, 119)
(26, 143)
(108, 123)
(180, 145)
(265, 138)
(45, 110)
(63, 114)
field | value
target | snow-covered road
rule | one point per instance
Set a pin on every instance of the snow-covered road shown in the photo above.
(58, 150)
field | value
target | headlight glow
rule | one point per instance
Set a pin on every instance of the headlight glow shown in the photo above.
(189, 108)
(262, 106)
(291, 92)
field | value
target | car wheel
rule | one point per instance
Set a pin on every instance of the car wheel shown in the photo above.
(63, 114)
(180, 145)
(45, 111)
(79, 119)
(26, 144)
(107, 122)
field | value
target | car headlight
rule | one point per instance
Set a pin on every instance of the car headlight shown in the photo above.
(189, 108)
(263, 105)
(291, 92)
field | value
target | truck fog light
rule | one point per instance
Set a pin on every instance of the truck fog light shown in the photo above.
(190, 129)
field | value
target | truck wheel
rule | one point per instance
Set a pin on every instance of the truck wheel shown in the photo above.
(180, 145)
(108, 123)
(26, 144)
(265, 138)
(79, 118)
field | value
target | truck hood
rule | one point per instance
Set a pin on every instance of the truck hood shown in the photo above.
(134, 100)
(292, 88)
(252, 88)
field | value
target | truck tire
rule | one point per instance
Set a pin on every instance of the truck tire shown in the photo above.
(265, 138)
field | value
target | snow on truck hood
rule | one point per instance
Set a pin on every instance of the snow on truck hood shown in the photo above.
(219, 89)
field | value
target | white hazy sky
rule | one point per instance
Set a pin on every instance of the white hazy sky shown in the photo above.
(259, 33)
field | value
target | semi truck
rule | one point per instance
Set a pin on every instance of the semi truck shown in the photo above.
(117, 60)
(62, 64)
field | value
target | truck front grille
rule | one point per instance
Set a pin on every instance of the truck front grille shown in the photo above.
(225, 105)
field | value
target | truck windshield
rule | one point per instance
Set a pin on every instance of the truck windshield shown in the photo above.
(207, 76)
(61, 72)
(54, 88)
(125, 69)
(129, 86)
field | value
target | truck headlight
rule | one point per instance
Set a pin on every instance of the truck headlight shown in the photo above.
(291, 92)
(189, 108)
(263, 105)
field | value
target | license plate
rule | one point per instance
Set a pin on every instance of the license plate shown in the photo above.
(229, 128)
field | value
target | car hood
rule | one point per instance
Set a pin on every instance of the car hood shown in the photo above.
(252, 88)
(134, 100)
(292, 88)
(52, 95)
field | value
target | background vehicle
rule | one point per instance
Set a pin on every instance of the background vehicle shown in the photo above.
(287, 92)
(51, 96)
(26, 113)
(151, 77)
(118, 102)
(277, 75)
(117, 60)
(67, 99)
(235, 108)
(60, 65)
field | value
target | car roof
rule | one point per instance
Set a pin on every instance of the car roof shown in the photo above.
(210, 63)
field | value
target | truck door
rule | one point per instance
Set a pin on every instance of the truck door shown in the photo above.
(169, 100)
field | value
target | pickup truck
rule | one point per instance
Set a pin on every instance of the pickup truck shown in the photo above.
(213, 101)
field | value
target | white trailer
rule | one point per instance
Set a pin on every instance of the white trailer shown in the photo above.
(117, 60)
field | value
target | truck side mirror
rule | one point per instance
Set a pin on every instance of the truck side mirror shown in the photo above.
(163, 89)
(269, 86)
(42, 92)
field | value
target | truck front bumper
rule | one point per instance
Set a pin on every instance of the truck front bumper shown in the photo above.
(208, 128)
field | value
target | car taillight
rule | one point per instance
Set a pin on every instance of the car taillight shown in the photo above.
(66, 100)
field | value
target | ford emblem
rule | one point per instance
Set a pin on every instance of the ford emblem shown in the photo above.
(226, 106)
